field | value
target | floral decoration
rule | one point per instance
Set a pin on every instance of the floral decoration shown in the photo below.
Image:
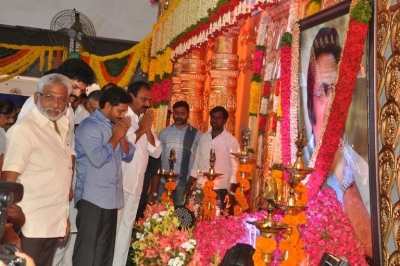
(286, 57)
(16, 59)
(159, 241)
(329, 230)
(214, 238)
(209, 200)
(348, 69)
(244, 185)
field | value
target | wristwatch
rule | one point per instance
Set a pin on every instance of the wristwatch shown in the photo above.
(348, 179)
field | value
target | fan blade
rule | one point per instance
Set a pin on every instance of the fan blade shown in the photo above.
(61, 31)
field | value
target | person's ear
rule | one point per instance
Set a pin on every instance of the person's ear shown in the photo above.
(36, 97)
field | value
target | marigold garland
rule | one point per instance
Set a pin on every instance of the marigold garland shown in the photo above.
(209, 200)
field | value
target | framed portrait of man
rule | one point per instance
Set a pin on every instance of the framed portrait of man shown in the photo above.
(321, 46)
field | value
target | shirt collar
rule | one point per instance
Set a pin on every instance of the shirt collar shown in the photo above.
(189, 126)
(43, 120)
(101, 117)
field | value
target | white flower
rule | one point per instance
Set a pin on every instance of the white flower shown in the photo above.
(155, 216)
(159, 220)
(175, 262)
(182, 255)
(193, 242)
(162, 213)
(167, 249)
(139, 236)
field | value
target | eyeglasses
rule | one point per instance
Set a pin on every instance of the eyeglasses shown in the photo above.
(50, 98)
(323, 90)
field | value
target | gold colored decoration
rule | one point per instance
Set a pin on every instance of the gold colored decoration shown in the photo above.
(209, 194)
(188, 85)
(246, 64)
(388, 94)
(224, 73)
(170, 178)
(248, 36)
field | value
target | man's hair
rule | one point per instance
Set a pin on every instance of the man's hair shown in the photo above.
(95, 95)
(134, 87)
(83, 96)
(115, 96)
(54, 79)
(325, 42)
(77, 69)
(7, 107)
(220, 109)
(107, 86)
(181, 104)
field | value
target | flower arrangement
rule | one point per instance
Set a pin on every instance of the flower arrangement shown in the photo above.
(159, 241)
(329, 230)
(196, 202)
(263, 245)
(214, 238)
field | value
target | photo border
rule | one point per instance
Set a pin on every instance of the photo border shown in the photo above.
(326, 15)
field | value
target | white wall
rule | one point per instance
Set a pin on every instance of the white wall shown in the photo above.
(116, 19)
(27, 85)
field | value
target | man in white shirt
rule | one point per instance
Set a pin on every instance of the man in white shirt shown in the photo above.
(220, 140)
(142, 135)
(38, 156)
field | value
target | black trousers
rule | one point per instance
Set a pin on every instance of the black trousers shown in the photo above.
(41, 250)
(95, 240)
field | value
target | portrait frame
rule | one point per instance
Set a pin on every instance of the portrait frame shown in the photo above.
(325, 16)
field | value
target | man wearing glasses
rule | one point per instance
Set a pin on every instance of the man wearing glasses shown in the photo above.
(38, 155)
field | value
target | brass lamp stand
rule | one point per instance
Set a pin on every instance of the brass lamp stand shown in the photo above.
(170, 177)
(209, 201)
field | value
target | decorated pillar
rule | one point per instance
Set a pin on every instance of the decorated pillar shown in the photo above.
(224, 73)
(189, 85)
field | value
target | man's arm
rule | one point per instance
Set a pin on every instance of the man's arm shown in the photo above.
(9, 176)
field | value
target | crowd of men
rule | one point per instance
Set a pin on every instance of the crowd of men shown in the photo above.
(86, 162)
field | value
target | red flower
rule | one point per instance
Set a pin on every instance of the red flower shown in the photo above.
(263, 121)
(267, 88)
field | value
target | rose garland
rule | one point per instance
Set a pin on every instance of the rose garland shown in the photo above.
(209, 200)
(286, 57)
(348, 69)
(328, 229)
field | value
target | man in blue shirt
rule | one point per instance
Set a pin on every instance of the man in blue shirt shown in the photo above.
(183, 138)
(101, 146)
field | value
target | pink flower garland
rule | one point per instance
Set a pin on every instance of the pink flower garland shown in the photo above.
(348, 70)
(257, 61)
(286, 58)
(329, 230)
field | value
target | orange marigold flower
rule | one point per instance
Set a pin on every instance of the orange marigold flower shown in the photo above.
(267, 245)
(245, 167)
(170, 185)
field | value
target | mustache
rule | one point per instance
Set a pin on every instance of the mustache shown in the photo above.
(145, 107)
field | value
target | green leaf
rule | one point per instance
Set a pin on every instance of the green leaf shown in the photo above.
(116, 66)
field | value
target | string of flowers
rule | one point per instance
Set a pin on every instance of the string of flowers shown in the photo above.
(137, 54)
(244, 185)
(263, 245)
(328, 229)
(293, 244)
(26, 55)
(209, 200)
(348, 69)
(286, 57)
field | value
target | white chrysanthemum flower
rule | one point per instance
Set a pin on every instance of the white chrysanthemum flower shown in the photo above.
(162, 213)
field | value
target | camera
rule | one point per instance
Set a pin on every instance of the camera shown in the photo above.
(10, 193)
